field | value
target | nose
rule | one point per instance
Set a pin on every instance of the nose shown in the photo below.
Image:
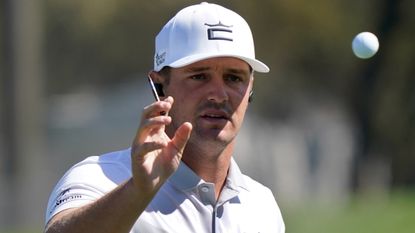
(217, 91)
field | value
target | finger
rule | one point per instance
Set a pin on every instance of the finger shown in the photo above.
(156, 108)
(145, 148)
(155, 123)
(150, 127)
(170, 100)
(181, 137)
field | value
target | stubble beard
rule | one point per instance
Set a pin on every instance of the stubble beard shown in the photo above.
(205, 143)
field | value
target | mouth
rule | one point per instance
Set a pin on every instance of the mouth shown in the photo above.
(215, 116)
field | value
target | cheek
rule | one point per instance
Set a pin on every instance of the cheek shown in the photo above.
(239, 106)
(240, 100)
(182, 109)
(241, 110)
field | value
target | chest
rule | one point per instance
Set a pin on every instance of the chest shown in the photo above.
(187, 213)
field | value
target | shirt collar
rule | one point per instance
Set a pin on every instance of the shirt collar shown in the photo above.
(185, 179)
(235, 179)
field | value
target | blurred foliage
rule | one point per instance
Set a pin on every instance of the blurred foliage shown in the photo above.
(394, 213)
(307, 44)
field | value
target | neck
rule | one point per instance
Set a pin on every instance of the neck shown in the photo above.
(211, 167)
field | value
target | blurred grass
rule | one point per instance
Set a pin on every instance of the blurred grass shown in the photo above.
(363, 214)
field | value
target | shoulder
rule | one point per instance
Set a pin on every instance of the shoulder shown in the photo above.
(264, 202)
(254, 189)
(257, 188)
(259, 195)
(112, 167)
(89, 180)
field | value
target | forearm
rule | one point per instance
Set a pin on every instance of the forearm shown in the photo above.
(117, 211)
(154, 157)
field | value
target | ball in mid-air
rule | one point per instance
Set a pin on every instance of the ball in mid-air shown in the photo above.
(365, 45)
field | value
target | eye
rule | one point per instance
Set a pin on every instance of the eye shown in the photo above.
(234, 78)
(198, 77)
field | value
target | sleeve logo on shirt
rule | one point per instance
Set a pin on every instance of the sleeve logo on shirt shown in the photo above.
(219, 31)
(64, 197)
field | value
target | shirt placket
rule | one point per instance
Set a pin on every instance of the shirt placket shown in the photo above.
(207, 196)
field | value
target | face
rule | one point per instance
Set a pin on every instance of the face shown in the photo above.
(212, 95)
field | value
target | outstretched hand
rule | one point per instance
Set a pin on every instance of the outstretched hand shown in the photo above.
(155, 156)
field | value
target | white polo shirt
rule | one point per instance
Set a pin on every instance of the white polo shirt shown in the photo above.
(184, 204)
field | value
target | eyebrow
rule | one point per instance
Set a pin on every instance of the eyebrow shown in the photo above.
(239, 71)
(197, 69)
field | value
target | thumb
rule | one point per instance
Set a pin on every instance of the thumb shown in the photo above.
(181, 137)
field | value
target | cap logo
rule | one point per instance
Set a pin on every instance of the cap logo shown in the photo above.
(219, 31)
(160, 58)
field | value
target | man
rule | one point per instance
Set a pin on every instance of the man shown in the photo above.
(178, 175)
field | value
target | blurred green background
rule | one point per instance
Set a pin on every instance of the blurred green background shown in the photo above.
(332, 135)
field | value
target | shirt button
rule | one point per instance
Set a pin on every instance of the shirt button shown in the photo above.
(204, 189)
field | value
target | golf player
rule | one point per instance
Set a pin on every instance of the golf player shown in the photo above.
(179, 174)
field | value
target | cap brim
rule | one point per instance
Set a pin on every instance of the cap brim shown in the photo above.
(256, 65)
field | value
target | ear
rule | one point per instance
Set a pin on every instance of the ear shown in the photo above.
(157, 80)
(155, 76)
(251, 96)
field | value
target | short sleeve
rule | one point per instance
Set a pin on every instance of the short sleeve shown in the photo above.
(84, 183)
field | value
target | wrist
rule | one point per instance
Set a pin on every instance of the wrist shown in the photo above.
(140, 192)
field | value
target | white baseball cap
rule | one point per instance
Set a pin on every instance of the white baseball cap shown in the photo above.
(205, 31)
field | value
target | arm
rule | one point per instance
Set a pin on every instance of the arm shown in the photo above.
(154, 157)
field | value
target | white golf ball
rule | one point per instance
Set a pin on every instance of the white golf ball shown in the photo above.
(365, 45)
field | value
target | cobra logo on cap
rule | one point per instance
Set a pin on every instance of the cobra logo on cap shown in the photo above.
(219, 31)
